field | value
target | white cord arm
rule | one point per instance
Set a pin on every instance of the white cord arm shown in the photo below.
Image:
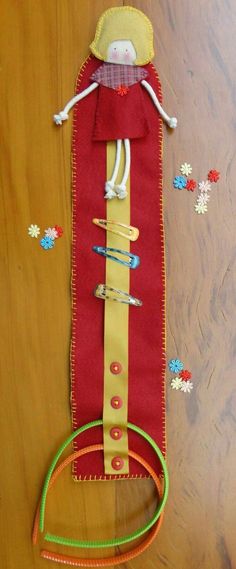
(63, 115)
(171, 121)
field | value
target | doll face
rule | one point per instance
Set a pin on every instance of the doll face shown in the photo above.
(121, 51)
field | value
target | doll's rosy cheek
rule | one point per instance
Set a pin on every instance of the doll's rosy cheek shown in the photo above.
(127, 56)
(115, 54)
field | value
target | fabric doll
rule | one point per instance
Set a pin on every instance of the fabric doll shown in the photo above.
(124, 42)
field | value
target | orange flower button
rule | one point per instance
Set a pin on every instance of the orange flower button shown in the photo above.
(122, 90)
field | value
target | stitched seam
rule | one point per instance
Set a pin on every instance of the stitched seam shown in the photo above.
(74, 338)
(163, 273)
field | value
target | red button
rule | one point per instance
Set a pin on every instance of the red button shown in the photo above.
(117, 463)
(116, 433)
(116, 402)
(116, 368)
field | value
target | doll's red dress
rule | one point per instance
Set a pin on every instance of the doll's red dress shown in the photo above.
(120, 111)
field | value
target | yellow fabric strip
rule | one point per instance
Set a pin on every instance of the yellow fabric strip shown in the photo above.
(116, 331)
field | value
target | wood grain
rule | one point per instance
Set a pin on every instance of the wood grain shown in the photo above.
(42, 45)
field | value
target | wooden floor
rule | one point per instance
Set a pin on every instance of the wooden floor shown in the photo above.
(42, 45)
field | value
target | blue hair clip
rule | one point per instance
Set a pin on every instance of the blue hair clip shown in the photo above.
(132, 262)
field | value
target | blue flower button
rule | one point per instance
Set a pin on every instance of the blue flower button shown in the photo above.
(179, 182)
(47, 243)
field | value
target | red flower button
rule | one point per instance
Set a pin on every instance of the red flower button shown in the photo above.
(116, 433)
(59, 230)
(185, 374)
(191, 185)
(122, 90)
(213, 175)
(117, 463)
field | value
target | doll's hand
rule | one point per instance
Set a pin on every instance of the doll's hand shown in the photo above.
(60, 117)
(172, 122)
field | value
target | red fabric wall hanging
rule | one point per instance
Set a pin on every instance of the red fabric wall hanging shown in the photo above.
(146, 325)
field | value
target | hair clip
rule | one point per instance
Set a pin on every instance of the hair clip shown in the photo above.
(130, 232)
(132, 262)
(103, 291)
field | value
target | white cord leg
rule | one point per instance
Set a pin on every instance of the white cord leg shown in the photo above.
(127, 161)
(109, 186)
(121, 188)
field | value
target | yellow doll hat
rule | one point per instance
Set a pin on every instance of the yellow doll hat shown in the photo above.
(124, 23)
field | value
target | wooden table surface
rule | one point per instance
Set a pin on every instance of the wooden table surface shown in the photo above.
(42, 46)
